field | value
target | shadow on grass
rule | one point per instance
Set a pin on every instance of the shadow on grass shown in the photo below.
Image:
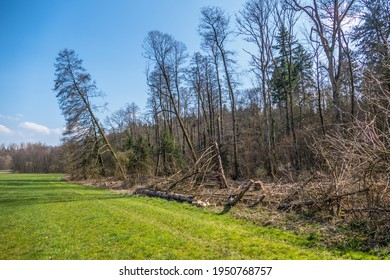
(28, 201)
(10, 182)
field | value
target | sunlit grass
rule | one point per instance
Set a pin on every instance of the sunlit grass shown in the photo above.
(44, 217)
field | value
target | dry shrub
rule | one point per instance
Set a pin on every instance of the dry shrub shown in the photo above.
(355, 175)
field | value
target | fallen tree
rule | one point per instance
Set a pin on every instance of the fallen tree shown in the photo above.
(164, 195)
(233, 200)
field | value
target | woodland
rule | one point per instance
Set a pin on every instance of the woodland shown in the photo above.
(309, 135)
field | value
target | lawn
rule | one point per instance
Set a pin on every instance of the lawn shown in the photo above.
(44, 217)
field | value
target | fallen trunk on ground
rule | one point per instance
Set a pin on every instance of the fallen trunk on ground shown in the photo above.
(164, 195)
(233, 200)
(171, 196)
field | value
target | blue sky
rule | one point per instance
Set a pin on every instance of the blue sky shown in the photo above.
(106, 34)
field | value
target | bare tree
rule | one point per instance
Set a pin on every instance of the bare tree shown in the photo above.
(201, 78)
(255, 24)
(169, 55)
(328, 17)
(75, 88)
(215, 30)
(318, 77)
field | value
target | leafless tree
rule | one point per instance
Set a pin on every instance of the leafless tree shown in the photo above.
(255, 24)
(169, 55)
(215, 30)
(74, 89)
(328, 18)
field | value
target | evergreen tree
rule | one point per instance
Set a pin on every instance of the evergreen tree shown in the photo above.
(285, 76)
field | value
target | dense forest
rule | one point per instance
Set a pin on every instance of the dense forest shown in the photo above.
(310, 97)
(31, 158)
(317, 108)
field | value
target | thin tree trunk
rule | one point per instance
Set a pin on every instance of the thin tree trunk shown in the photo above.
(220, 117)
(236, 170)
(220, 166)
(188, 140)
(351, 76)
(101, 131)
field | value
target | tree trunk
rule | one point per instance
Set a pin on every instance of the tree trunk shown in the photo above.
(234, 200)
(236, 170)
(220, 117)
(177, 114)
(101, 131)
(220, 167)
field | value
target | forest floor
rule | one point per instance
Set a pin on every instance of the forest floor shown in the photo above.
(45, 217)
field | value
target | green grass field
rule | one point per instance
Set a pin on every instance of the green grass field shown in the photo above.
(44, 217)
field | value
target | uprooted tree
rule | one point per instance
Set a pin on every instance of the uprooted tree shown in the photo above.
(85, 140)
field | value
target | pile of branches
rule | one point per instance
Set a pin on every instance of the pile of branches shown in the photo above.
(204, 184)
(356, 178)
(205, 173)
(353, 183)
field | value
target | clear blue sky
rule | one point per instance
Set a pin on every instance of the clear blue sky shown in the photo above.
(106, 34)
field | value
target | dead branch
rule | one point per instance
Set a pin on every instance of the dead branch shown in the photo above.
(257, 202)
(220, 167)
(294, 204)
(234, 200)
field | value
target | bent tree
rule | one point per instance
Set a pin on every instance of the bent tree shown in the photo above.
(168, 55)
(84, 135)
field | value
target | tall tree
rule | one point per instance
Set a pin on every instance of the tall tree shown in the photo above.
(168, 55)
(202, 81)
(328, 18)
(285, 78)
(304, 72)
(215, 30)
(318, 76)
(255, 24)
(74, 89)
(288, 70)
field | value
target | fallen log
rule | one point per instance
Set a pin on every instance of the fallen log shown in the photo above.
(233, 200)
(164, 195)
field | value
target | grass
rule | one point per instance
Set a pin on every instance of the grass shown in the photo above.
(44, 217)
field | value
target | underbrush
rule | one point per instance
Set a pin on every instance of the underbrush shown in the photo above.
(349, 237)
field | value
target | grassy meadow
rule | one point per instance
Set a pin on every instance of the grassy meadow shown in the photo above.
(44, 217)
